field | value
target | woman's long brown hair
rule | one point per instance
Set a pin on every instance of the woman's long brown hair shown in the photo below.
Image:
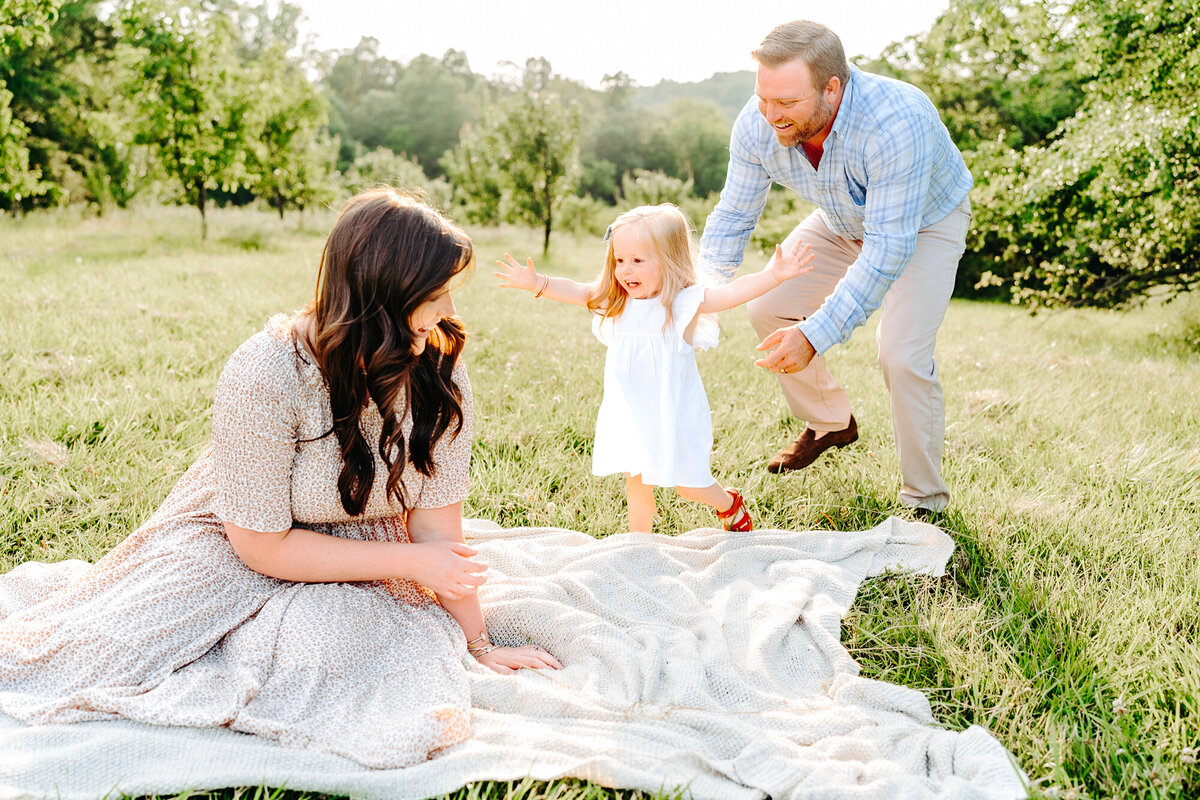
(387, 254)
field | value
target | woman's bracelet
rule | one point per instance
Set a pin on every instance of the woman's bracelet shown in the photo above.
(480, 646)
(545, 285)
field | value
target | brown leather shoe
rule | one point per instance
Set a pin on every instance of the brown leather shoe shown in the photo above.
(804, 451)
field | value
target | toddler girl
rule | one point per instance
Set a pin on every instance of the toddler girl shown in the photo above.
(654, 422)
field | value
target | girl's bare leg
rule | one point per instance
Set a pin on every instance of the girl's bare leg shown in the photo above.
(714, 496)
(640, 498)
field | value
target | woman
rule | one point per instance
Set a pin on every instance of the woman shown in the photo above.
(286, 587)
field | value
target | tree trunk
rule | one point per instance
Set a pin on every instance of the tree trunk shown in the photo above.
(201, 202)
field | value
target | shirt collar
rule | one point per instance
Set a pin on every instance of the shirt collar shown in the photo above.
(841, 121)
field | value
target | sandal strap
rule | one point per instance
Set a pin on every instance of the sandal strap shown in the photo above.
(733, 509)
(738, 516)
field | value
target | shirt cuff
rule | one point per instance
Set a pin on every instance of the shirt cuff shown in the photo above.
(818, 334)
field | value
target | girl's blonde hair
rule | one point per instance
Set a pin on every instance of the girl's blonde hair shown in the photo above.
(674, 241)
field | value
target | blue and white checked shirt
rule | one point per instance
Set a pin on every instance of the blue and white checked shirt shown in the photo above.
(889, 169)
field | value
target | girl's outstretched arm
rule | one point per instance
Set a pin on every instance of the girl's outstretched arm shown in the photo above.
(783, 266)
(514, 276)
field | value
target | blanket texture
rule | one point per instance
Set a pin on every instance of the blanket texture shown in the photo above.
(704, 661)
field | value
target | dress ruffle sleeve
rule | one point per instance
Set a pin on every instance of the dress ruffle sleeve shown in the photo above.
(254, 435)
(687, 303)
(604, 328)
(449, 482)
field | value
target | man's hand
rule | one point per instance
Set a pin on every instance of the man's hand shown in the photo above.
(791, 352)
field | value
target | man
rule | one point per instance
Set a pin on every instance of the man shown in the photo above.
(890, 226)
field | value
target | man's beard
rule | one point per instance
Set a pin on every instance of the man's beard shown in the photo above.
(802, 132)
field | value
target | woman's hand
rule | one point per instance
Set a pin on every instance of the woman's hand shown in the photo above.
(446, 568)
(514, 276)
(507, 660)
(785, 266)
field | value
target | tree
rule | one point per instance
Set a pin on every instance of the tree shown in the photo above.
(997, 70)
(289, 159)
(646, 188)
(416, 109)
(67, 91)
(383, 167)
(526, 150)
(541, 158)
(290, 155)
(697, 136)
(22, 23)
(614, 140)
(1109, 209)
(191, 106)
(432, 100)
(472, 169)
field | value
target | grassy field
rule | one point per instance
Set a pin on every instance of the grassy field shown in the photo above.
(1069, 624)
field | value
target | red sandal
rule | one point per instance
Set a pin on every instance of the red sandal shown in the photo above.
(736, 517)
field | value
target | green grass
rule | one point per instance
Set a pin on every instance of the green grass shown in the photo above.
(1070, 620)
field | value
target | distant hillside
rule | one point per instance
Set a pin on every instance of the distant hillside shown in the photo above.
(729, 90)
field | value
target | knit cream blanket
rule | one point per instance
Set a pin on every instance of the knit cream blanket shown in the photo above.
(706, 661)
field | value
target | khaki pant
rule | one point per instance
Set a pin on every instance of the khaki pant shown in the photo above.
(912, 311)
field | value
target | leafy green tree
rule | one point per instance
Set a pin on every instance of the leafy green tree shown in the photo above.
(347, 78)
(526, 151)
(268, 28)
(615, 140)
(22, 24)
(289, 159)
(290, 156)
(1108, 211)
(646, 188)
(688, 139)
(472, 170)
(997, 70)
(417, 109)
(382, 167)
(540, 156)
(191, 106)
(696, 134)
(67, 91)
(432, 100)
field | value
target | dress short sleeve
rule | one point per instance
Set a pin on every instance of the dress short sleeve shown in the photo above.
(450, 480)
(684, 309)
(604, 327)
(254, 432)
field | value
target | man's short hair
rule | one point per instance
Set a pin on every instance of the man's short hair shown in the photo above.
(819, 48)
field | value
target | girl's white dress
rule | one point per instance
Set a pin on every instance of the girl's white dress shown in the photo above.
(654, 419)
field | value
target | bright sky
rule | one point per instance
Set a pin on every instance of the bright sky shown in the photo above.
(650, 40)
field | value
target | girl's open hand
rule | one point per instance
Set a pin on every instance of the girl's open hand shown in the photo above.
(796, 261)
(507, 660)
(515, 276)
